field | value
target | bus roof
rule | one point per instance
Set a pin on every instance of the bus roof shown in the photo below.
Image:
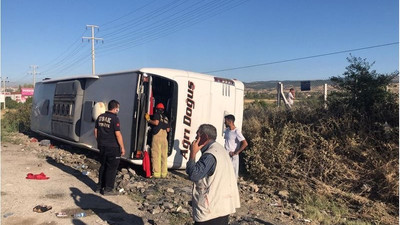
(166, 72)
(46, 80)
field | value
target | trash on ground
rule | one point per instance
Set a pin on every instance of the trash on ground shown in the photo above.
(45, 142)
(84, 166)
(61, 214)
(275, 204)
(85, 173)
(79, 215)
(40, 176)
(42, 208)
(8, 214)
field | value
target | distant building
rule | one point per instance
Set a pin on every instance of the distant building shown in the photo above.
(4, 95)
(16, 97)
(19, 96)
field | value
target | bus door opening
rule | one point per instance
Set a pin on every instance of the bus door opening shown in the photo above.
(164, 91)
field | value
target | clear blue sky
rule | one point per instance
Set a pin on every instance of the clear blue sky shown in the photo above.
(199, 36)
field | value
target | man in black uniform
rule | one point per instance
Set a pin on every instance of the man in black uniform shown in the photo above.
(111, 146)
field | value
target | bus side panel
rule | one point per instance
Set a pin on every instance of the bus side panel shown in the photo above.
(121, 87)
(239, 103)
(203, 101)
(192, 111)
(222, 103)
(67, 110)
(42, 107)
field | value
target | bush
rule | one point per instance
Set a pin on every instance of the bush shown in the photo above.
(363, 93)
(307, 150)
(11, 104)
(17, 120)
(347, 153)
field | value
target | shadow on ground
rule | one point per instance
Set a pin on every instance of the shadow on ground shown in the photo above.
(92, 203)
(74, 172)
(106, 210)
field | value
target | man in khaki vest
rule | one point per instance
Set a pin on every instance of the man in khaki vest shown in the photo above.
(215, 193)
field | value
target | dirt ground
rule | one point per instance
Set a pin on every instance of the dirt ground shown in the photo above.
(147, 202)
(65, 190)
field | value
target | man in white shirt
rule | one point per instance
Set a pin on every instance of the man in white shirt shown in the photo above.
(234, 142)
(290, 96)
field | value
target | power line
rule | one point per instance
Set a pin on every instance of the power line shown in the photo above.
(164, 23)
(165, 27)
(76, 62)
(129, 13)
(302, 58)
(53, 64)
(72, 59)
(167, 19)
(68, 49)
(140, 34)
(65, 59)
(132, 24)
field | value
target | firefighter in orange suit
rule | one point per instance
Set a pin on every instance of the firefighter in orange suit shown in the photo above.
(159, 145)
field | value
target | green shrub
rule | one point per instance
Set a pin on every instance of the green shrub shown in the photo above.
(17, 120)
(11, 104)
(363, 93)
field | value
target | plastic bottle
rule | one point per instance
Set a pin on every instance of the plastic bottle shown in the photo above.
(79, 215)
(86, 173)
(8, 214)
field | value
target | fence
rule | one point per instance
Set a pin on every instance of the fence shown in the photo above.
(276, 92)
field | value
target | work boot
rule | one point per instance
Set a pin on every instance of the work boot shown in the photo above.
(98, 188)
(109, 192)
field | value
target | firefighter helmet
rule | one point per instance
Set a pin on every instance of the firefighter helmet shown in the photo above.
(160, 106)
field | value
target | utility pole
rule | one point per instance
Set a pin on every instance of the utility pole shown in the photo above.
(93, 39)
(4, 90)
(325, 95)
(34, 67)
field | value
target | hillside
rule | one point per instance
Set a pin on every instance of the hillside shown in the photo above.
(315, 84)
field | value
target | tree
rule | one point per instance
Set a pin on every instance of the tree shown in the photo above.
(363, 92)
(24, 86)
(11, 104)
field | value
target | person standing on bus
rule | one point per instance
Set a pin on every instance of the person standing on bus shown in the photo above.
(215, 193)
(107, 132)
(159, 145)
(235, 142)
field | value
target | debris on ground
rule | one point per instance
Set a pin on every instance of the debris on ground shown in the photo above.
(8, 214)
(168, 200)
(42, 208)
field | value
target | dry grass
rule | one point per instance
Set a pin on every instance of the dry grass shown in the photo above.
(336, 165)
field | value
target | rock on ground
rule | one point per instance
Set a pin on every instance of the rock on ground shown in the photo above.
(73, 178)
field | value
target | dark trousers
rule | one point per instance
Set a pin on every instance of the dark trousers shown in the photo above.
(223, 220)
(109, 160)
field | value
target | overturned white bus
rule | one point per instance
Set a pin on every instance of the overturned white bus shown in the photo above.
(66, 109)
